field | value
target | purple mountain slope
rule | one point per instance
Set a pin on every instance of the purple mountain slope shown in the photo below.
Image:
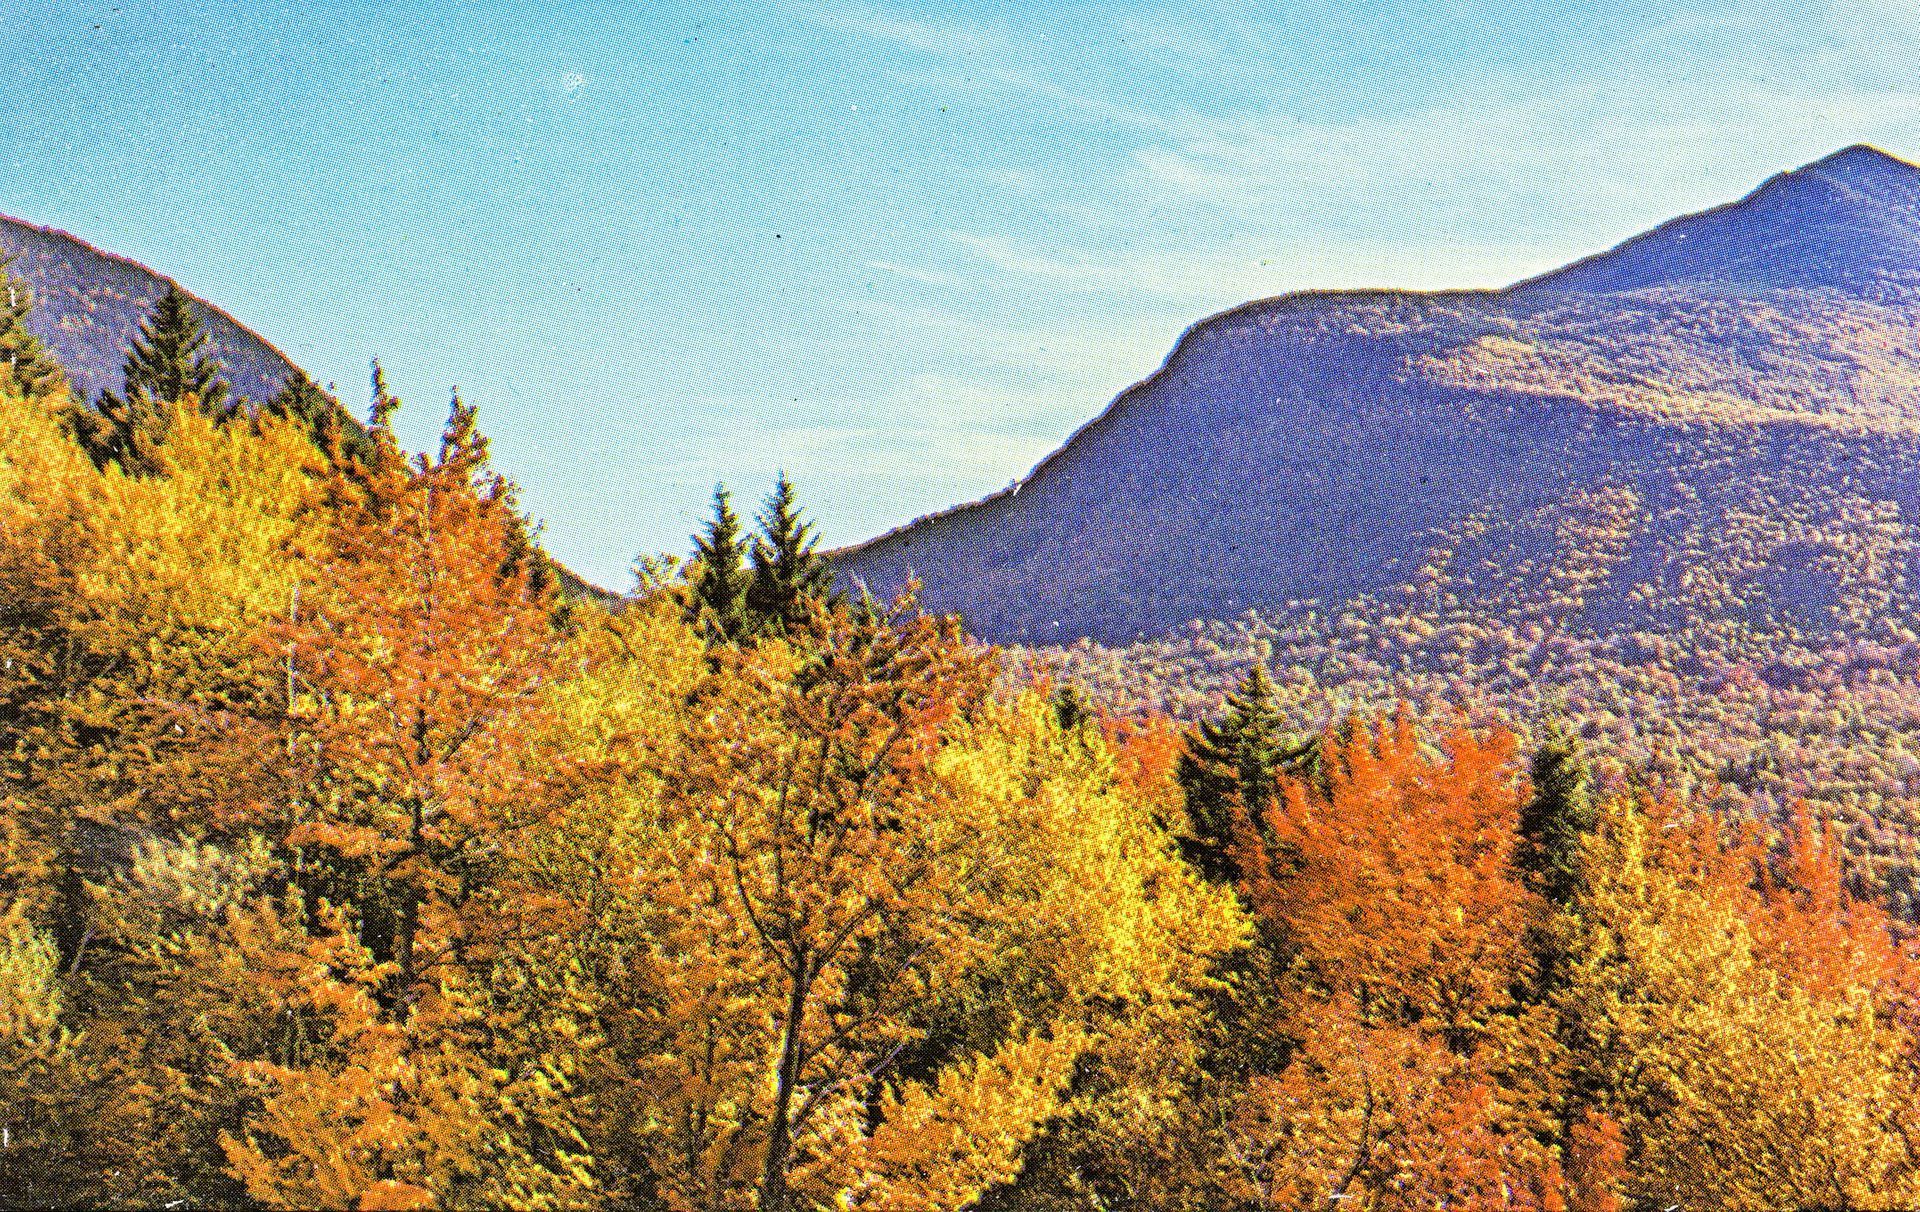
(88, 304)
(1759, 360)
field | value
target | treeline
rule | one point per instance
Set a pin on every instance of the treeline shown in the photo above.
(345, 864)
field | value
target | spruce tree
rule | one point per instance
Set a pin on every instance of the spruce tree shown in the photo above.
(25, 361)
(167, 363)
(169, 360)
(787, 571)
(299, 398)
(720, 580)
(1234, 762)
(1561, 812)
(331, 427)
(385, 403)
(124, 430)
(1072, 709)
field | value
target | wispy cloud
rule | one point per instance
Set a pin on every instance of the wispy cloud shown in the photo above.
(989, 56)
(926, 277)
(932, 37)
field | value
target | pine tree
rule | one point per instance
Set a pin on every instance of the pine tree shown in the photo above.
(28, 364)
(720, 582)
(787, 571)
(169, 361)
(300, 398)
(166, 365)
(1560, 813)
(1233, 762)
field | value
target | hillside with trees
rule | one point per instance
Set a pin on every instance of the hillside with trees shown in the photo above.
(349, 862)
(346, 865)
(1738, 392)
(88, 305)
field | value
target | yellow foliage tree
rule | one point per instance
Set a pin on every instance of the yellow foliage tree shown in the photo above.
(841, 862)
(1747, 1036)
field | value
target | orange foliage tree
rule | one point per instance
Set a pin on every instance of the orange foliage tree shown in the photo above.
(1388, 884)
(414, 667)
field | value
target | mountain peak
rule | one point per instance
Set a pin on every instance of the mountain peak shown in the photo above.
(1850, 220)
(1858, 178)
(1863, 162)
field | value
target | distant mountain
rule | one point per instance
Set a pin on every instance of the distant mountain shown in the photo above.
(1717, 420)
(88, 304)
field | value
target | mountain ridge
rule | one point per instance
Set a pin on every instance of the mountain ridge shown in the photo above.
(1707, 343)
(1859, 174)
(89, 302)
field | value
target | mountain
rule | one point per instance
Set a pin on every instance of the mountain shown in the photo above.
(88, 304)
(1716, 421)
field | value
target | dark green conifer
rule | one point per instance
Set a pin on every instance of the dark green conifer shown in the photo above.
(166, 364)
(301, 399)
(385, 403)
(169, 360)
(787, 571)
(1558, 816)
(326, 421)
(23, 359)
(1072, 709)
(720, 580)
(1233, 763)
(124, 430)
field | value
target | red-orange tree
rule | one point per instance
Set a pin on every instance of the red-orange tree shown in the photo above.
(414, 672)
(1388, 883)
(414, 668)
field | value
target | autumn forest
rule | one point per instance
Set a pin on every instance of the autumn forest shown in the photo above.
(348, 859)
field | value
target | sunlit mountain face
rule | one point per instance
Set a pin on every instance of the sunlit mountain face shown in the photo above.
(1707, 422)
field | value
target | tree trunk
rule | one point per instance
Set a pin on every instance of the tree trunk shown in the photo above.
(773, 1180)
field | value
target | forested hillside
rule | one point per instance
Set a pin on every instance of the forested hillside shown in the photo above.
(1743, 385)
(347, 862)
(88, 304)
(345, 865)
(1670, 491)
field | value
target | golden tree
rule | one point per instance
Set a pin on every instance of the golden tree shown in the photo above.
(1745, 1022)
(417, 664)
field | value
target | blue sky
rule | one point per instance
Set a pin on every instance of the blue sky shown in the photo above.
(899, 250)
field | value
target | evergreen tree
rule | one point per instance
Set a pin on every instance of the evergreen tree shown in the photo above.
(787, 571)
(720, 580)
(166, 364)
(385, 404)
(333, 430)
(301, 399)
(124, 430)
(1560, 813)
(1072, 709)
(169, 360)
(28, 364)
(1234, 762)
